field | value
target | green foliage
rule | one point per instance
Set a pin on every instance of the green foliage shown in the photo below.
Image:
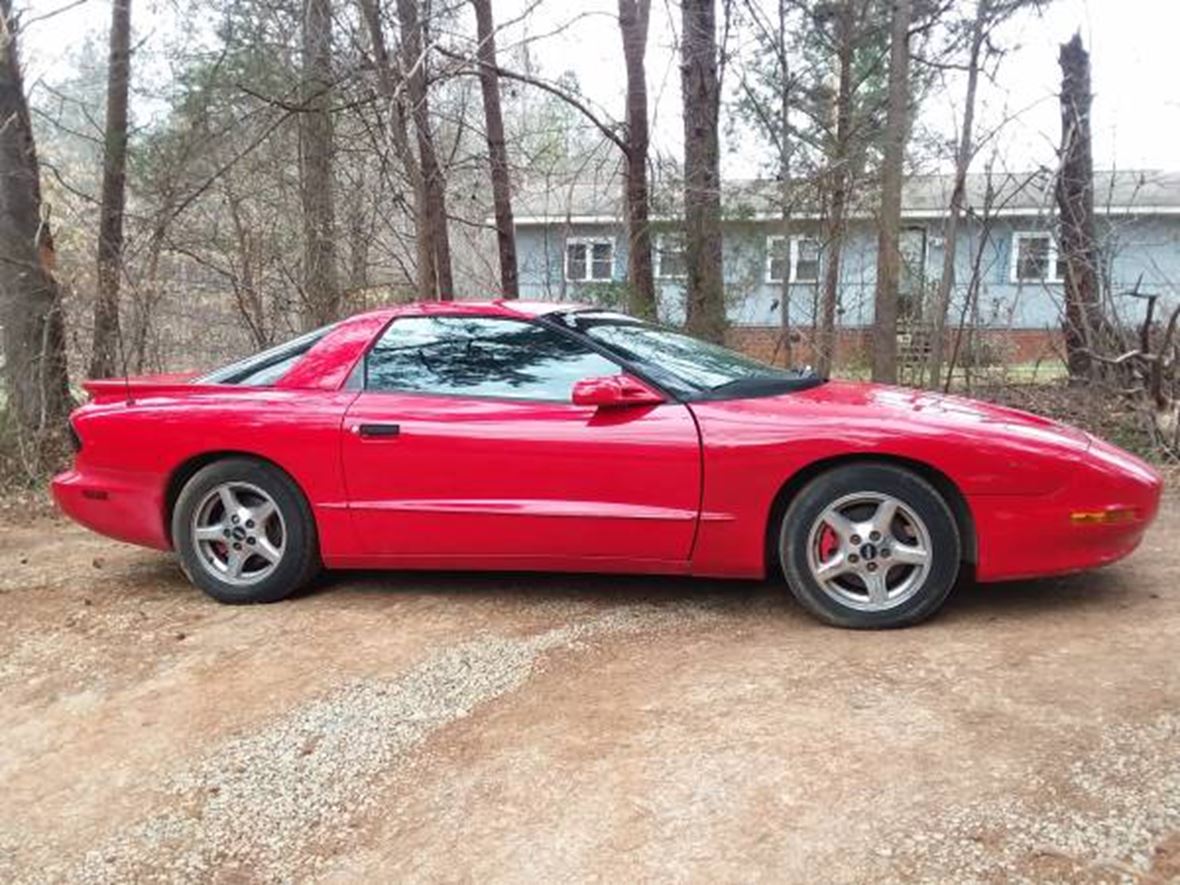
(809, 39)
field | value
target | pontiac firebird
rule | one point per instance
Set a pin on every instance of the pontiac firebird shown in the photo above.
(529, 436)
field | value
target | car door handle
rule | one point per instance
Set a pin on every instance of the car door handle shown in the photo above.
(377, 431)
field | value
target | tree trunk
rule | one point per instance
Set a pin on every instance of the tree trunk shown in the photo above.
(889, 231)
(950, 237)
(633, 23)
(321, 289)
(433, 199)
(784, 174)
(360, 237)
(104, 357)
(38, 398)
(489, 82)
(702, 179)
(838, 174)
(387, 82)
(1084, 321)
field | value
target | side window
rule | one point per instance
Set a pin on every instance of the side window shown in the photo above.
(480, 356)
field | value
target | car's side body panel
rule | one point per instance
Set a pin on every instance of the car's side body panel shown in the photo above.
(130, 451)
(466, 477)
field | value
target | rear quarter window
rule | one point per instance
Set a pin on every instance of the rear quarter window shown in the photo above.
(266, 368)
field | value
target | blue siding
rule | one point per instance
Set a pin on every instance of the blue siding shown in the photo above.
(1147, 246)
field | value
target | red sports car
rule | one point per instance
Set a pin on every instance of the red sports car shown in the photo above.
(511, 435)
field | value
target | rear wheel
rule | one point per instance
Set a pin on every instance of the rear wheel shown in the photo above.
(244, 533)
(870, 546)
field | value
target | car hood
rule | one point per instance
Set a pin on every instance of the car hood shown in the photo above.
(849, 407)
(984, 449)
(925, 408)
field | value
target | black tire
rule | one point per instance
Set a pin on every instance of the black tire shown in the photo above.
(916, 600)
(299, 561)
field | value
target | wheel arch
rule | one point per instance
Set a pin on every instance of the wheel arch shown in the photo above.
(942, 483)
(187, 469)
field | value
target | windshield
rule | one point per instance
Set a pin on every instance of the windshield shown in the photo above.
(686, 364)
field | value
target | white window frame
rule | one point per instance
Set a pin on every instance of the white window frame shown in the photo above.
(661, 239)
(792, 258)
(1051, 256)
(795, 241)
(589, 243)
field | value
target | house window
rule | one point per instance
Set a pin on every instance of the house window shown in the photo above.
(802, 257)
(1035, 259)
(670, 260)
(589, 259)
(804, 260)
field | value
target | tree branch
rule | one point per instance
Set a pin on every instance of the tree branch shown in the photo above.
(544, 86)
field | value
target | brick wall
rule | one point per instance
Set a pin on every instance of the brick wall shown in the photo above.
(1006, 346)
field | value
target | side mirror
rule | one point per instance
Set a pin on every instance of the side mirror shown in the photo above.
(613, 391)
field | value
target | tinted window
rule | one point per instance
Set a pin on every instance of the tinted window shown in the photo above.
(264, 369)
(697, 364)
(682, 364)
(481, 356)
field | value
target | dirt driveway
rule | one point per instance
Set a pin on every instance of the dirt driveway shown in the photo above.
(553, 728)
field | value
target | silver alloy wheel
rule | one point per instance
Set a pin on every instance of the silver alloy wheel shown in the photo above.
(238, 533)
(869, 551)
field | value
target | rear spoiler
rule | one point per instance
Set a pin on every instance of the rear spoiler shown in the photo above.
(129, 389)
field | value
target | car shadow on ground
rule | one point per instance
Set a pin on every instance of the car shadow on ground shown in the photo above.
(1109, 589)
(1112, 589)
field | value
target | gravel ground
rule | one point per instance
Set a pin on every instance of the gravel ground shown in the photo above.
(564, 728)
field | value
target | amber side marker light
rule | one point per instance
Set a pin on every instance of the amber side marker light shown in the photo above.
(1113, 516)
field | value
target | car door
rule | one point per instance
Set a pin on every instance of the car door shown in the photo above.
(465, 444)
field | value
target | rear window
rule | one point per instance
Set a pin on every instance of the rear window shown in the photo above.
(266, 368)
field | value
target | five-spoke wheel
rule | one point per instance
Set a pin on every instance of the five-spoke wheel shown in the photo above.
(244, 532)
(870, 545)
(239, 533)
(869, 551)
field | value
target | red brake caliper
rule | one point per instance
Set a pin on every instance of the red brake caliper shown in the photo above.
(828, 542)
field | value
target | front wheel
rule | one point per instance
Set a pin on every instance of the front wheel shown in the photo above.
(244, 532)
(870, 546)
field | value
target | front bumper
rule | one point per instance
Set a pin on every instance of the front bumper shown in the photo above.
(1035, 536)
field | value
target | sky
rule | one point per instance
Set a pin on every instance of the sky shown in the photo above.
(1136, 119)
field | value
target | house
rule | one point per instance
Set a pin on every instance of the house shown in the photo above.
(572, 244)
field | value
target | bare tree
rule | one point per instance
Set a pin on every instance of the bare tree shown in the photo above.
(963, 155)
(770, 94)
(633, 23)
(105, 352)
(1084, 319)
(987, 17)
(321, 296)
(30, 302)
(889, 225)
(489, 82)
(433, 201)
(786, 195)
(702, 179)
(838, 176)
(390, 85)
